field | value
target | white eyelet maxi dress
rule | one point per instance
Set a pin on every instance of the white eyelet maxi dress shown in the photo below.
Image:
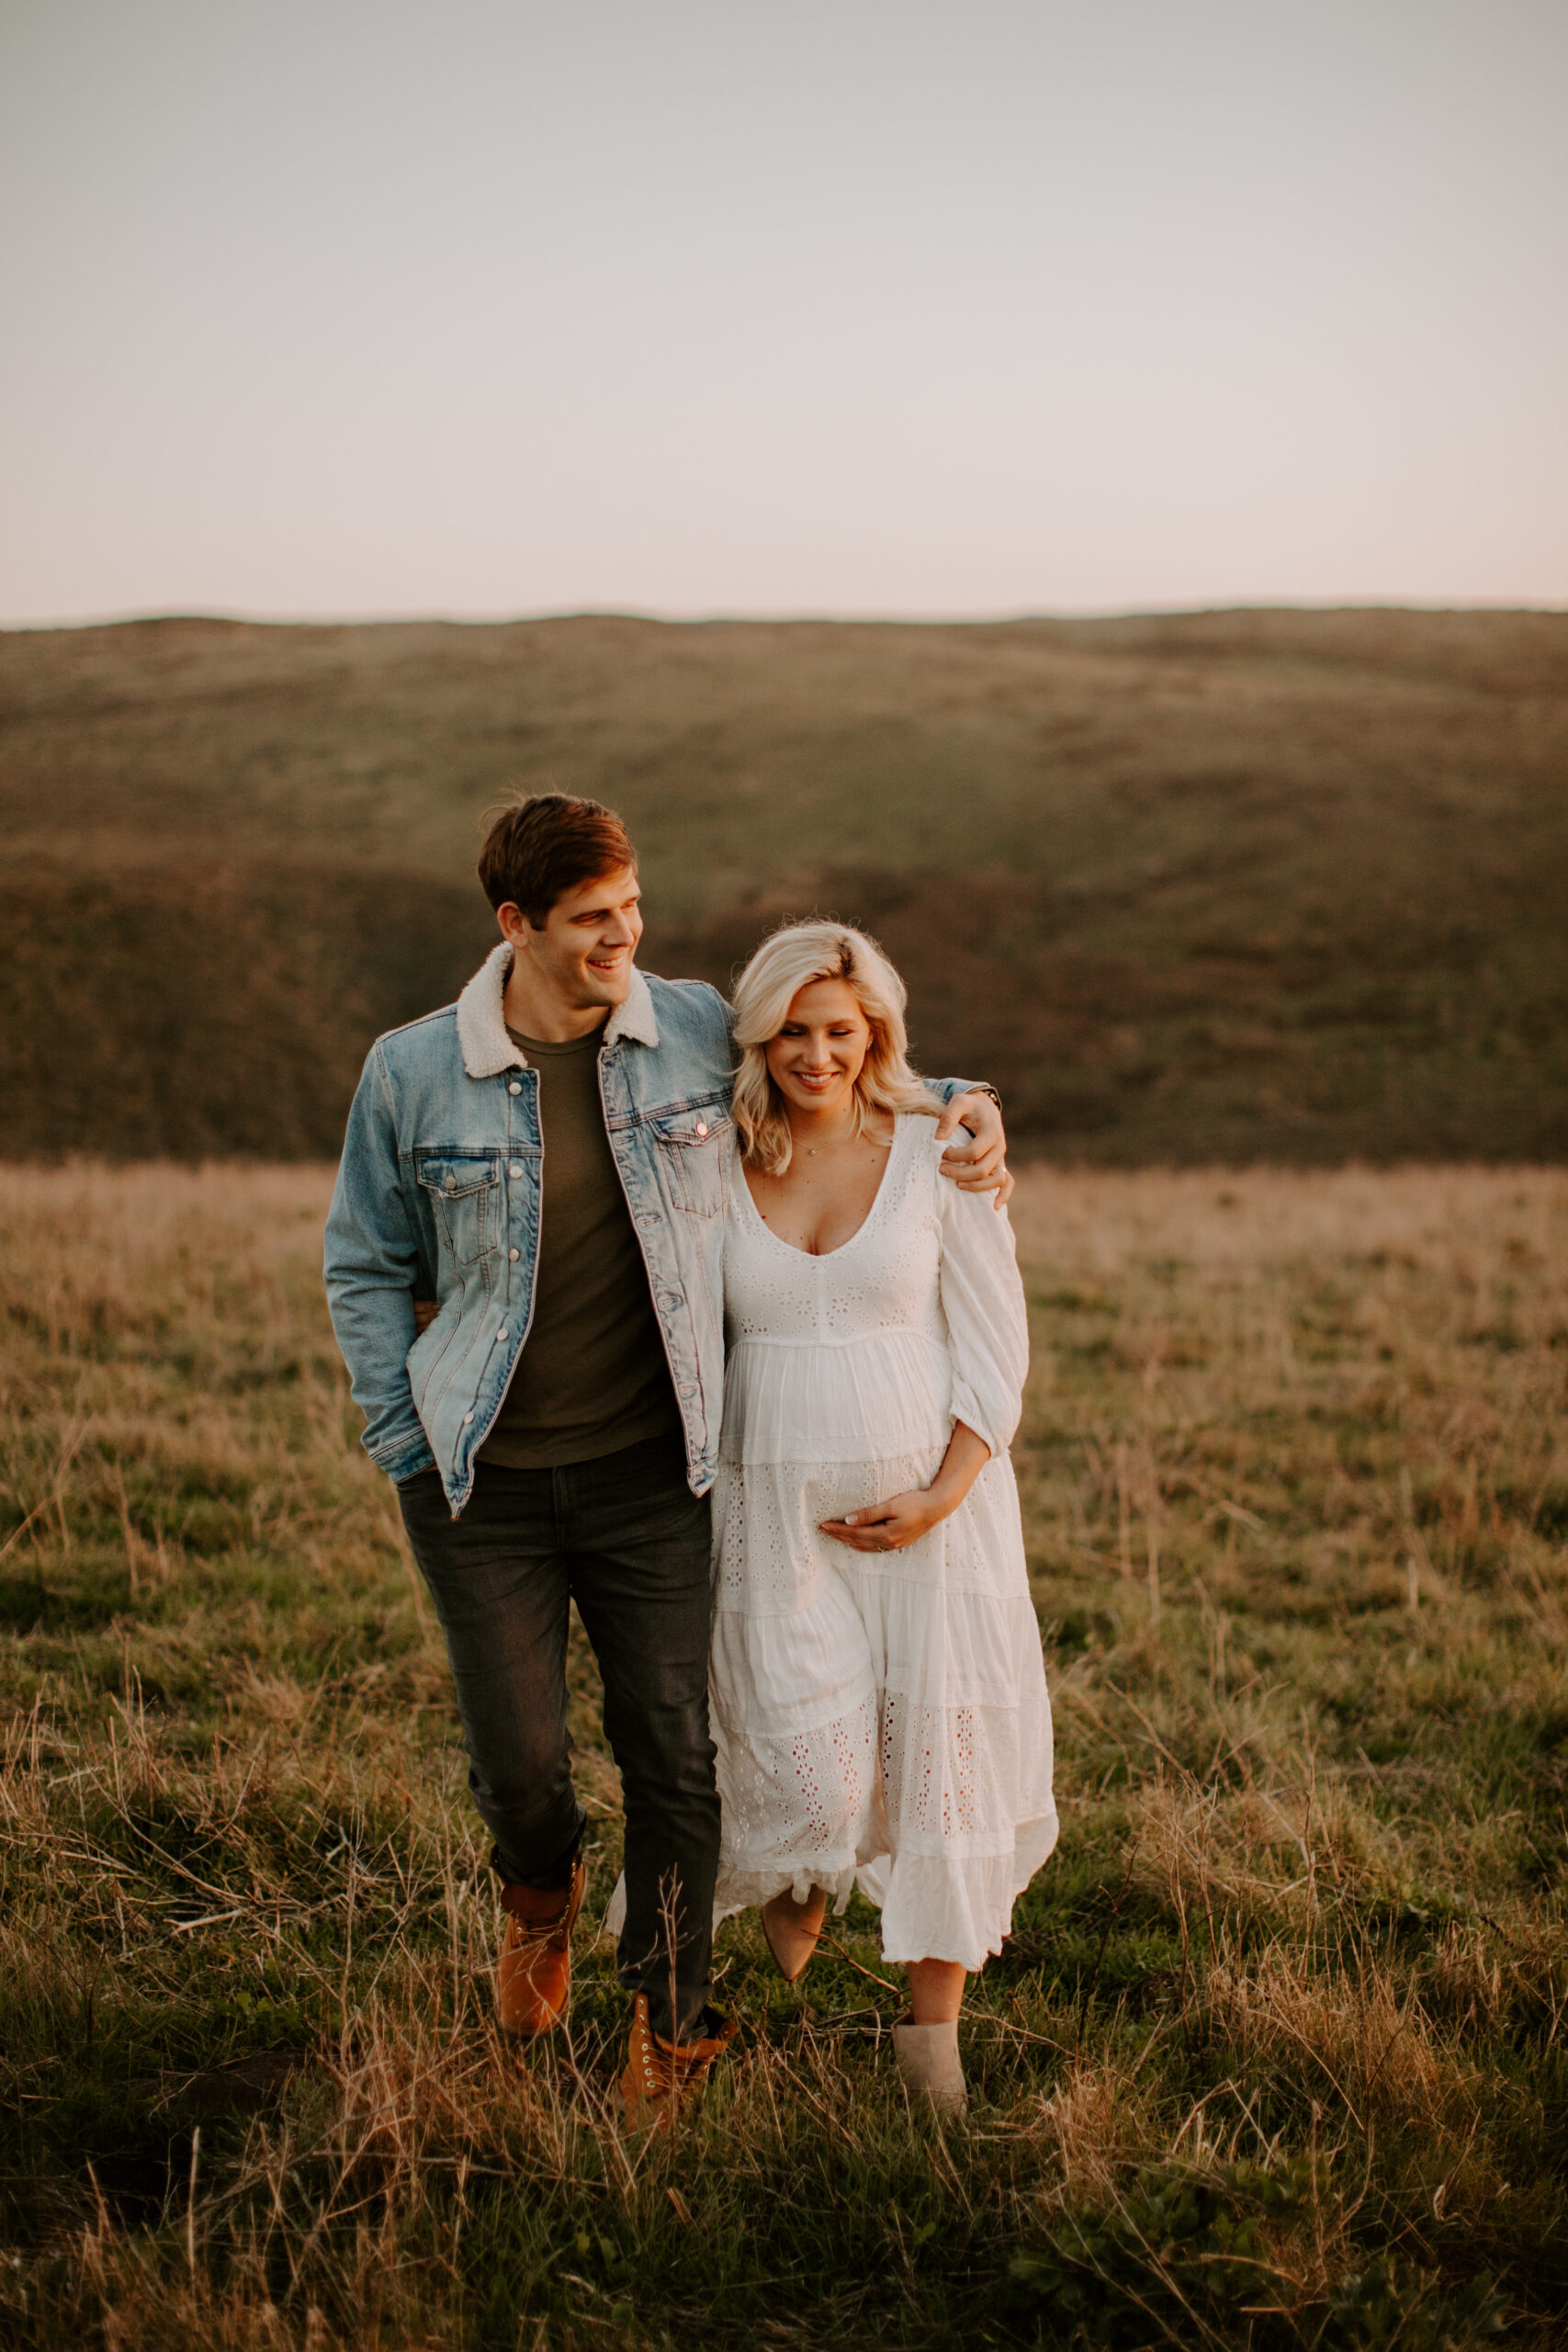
(879, 1717)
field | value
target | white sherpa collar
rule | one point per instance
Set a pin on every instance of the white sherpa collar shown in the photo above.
(481, 1027)
(636, 1018)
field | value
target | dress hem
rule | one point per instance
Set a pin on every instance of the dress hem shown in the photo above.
(1032, 1846)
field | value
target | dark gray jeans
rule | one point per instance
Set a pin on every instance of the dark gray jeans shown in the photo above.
(626, 1538)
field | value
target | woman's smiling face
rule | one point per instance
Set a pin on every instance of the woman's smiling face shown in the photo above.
(817, 1055)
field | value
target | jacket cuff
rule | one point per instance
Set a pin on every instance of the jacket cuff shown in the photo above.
(950, 1089)
(404, 1460)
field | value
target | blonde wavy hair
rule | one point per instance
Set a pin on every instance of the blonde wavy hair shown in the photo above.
(796, 956)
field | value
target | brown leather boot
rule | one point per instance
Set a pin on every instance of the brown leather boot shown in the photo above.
(661, 2077)
(533, 1976)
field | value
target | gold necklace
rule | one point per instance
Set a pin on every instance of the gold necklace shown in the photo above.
(813, 1148)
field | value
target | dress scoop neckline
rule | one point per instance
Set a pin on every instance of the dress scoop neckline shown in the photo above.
(821, 1256)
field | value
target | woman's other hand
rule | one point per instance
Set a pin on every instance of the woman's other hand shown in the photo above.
(977, 1163)
(904, 1518)
(888, 1527)
(425, 1311)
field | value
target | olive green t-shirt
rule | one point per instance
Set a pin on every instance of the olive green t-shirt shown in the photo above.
(592, 1376)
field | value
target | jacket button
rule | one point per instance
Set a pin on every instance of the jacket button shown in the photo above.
(515, 1168)
(514, 1255)
(501, 1332)
(701, 1126)
(467, 1419)
(515, 1087)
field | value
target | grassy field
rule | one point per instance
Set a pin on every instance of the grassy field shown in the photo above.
(1273, 885)
(1275, 2057)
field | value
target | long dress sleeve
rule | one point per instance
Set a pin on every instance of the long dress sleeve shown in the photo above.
(988, 1322)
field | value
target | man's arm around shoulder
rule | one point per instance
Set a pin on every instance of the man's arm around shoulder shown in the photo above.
(978, 1164)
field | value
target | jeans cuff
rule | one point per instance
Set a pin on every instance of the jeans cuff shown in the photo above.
(545, 1881)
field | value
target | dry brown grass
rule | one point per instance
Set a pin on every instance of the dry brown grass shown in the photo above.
(1276, 2054)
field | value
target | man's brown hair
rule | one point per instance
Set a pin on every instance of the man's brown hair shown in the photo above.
(542, 847)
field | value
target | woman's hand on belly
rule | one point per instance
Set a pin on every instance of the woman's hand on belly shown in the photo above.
(904, 1518)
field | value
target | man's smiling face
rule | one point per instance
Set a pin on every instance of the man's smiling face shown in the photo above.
(583, 956)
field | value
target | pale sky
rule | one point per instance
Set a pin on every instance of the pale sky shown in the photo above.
(909, 306)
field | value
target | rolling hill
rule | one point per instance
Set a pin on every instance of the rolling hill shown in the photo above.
(1235, 885)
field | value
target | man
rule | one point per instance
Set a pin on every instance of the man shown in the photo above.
(545, 1161)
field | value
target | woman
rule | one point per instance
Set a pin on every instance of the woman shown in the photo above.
(878, 1697)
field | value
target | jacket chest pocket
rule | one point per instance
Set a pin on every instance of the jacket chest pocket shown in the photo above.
(690, 1145)
(464, 1188)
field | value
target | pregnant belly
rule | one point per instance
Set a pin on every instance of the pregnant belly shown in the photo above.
(890, 1396)
(770, 1556)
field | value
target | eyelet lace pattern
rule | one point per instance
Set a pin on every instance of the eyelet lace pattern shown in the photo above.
(880, 1718)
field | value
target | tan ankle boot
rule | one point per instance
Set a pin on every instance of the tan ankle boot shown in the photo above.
(791, 1929)
(928, 2061)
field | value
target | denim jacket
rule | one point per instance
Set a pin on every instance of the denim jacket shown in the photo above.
(437, 1195)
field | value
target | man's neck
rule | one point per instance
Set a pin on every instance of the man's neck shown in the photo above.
(541, 1013)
